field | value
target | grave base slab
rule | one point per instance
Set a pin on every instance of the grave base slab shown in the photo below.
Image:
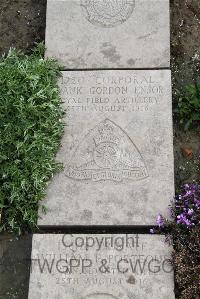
(97, 266)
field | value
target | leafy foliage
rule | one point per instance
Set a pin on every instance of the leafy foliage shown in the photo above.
(188, 107)
(30, 129)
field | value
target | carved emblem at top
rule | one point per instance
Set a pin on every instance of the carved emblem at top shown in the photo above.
(107, 13)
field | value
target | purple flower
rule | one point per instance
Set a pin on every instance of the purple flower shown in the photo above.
(190, 212)
(185, 209)
(182, 219)
(152, 230)
(197, 203)
(160, 221)
(186, 186)
(189, 193)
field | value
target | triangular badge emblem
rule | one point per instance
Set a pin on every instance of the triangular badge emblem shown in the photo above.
(106, 153)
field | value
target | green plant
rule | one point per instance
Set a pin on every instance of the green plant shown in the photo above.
(188, 106)
(31, 127)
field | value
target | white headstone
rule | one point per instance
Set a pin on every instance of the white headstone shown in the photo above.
(117, 149)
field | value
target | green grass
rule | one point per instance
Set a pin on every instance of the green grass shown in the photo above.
(188, 106)
(31, 126)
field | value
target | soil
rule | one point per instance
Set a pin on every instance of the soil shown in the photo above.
(22, 23)
(185, 45)
(185, 66)
(14, 266)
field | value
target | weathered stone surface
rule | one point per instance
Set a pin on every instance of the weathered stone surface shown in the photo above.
(108, 33)
(117, 149)
(101, 267)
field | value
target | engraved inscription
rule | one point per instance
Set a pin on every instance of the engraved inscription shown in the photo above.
(112, 94)
(107, 13)
(107, 153)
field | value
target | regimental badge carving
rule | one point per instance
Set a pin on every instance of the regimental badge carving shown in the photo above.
(107, 153)
(107, 13)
